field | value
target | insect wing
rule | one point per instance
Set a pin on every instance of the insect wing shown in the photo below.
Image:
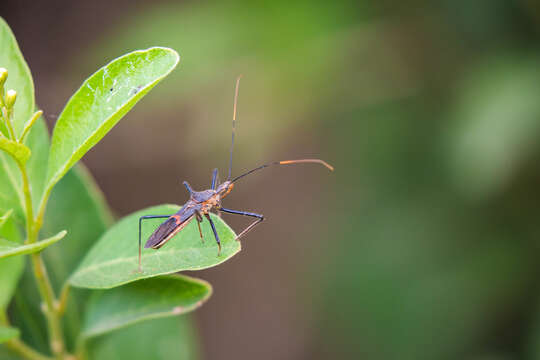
(169, 228)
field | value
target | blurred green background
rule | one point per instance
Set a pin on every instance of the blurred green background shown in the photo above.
(424, 242)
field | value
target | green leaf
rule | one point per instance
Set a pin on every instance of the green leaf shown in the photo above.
(8, 333)
(19, 151)
(29, 124)
(10, 269)
(10, 248)
(19, 77)
(101, 102)
(160, 339)
(113, 261)
(158, 297)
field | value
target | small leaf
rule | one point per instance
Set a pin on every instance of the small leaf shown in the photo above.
(162, 296)
(19, 151)
(113, 261)
(29, 124)
(101, 102)
(10, 248)
(159, 339)
(8, 333)
(19, 77)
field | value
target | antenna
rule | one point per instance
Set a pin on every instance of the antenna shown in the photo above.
(286, 162)
(233, 124)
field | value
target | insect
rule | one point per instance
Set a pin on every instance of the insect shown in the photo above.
(200, 203)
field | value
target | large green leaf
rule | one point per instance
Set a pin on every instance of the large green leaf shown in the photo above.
(160, 339)
(162, 296)
(7, 333)
(10, 248)
(19, 77)
(101, 102)
(10, 269)
(113, 261)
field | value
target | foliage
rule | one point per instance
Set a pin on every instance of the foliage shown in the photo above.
(46, 199)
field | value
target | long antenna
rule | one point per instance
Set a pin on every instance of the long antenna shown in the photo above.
(286, 162)
(233, 124)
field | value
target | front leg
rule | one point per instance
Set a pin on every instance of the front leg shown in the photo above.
(259, 217)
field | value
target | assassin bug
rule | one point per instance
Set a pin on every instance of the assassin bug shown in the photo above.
(200, 203)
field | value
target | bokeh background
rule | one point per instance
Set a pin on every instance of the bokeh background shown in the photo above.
(424, 242)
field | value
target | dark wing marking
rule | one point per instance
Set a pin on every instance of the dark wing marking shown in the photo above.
(171, 226)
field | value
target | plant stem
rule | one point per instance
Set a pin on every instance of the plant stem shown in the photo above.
(27, 205)
(56, 336)
(47, 294)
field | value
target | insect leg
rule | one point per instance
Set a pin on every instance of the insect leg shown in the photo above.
(199, 218)
(215, 232)
(259, 217)
(214, 179)
(140, 227)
